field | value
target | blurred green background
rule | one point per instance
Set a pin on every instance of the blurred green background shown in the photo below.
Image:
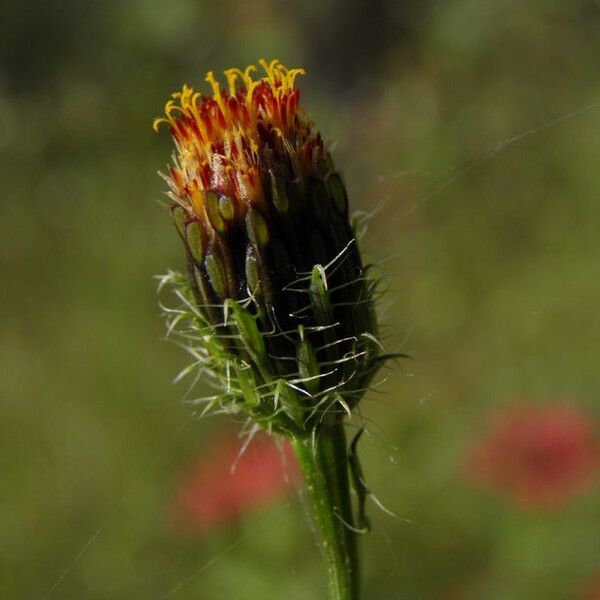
(491, 247)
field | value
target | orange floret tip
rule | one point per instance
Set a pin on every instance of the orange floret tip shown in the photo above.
(231, 141)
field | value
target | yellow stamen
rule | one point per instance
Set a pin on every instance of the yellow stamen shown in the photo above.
(267, 68)
(250, 86)
(232, 75)
(291, 77)
(247, 74)
(156, 123)
(210, 78)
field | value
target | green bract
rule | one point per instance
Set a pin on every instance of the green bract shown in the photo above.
(278, 309)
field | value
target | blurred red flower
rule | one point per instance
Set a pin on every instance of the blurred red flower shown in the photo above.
(592, 590)
(538, 456)
(227, 483)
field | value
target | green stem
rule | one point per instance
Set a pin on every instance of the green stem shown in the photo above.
(324, 463)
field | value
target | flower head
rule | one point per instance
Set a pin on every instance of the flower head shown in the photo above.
(539, 456)
(224, 141)
(277, 295)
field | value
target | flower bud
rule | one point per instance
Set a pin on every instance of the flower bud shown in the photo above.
(284, 310)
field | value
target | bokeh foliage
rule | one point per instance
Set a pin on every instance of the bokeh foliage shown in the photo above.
(490, 245)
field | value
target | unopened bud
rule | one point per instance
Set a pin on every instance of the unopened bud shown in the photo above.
(287, 328)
